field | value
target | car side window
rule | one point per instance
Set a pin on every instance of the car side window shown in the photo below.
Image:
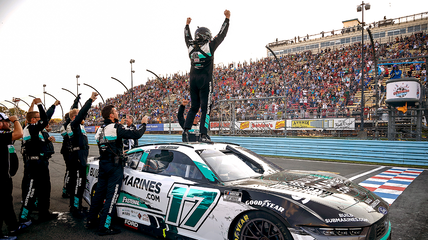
(158, 160)
(174, 163)
(133, 159)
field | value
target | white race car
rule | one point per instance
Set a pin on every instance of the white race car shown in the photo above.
(224, 191)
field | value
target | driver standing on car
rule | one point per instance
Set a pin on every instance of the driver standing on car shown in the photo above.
(109, 139)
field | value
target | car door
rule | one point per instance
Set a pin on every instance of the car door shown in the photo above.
(158, 184)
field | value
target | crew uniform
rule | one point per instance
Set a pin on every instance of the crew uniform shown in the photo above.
(109, 138)
(79, 155)
(66, 152)
(8, 168)
(37, 168)
(130, 143)
(193, 135)
(201, 54)
(48, 150)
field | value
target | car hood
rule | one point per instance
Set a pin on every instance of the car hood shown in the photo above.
(329, 197)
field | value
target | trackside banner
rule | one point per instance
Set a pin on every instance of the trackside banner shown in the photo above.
(299, 124)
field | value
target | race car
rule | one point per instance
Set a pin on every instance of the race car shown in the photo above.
(224, 191)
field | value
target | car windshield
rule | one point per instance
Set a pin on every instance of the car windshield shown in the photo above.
(227, 166)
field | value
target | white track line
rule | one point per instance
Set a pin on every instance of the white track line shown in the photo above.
(363, 174)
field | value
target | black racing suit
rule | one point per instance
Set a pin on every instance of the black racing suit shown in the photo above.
(79, 155)
(193, 133)
(66, 154)
(201, 80)
(130, 143)
(7, 151)
(109, 138)
(47, 150)
(66, 150)
(37, 168)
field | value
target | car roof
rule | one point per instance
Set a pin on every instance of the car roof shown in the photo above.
(181, 145)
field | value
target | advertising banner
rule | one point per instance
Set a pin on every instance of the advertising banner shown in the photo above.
(91, 129)
(403, 91)
(302, 124)
(156, 127)
(344, 124)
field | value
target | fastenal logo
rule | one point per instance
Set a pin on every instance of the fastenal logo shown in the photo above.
(131, 201)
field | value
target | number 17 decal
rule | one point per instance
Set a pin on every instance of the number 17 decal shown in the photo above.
(189, 206)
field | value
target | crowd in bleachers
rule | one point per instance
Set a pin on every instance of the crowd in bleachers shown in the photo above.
(317, 84)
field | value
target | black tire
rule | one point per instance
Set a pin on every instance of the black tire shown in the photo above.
(260, 225)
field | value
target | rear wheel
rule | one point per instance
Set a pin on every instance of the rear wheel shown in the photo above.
(260, 225)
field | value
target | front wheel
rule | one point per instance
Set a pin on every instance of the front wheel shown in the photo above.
(260, 225)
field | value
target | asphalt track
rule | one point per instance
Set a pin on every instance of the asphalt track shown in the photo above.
(408, 213)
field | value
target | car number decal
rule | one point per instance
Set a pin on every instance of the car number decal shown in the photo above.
(189, 206)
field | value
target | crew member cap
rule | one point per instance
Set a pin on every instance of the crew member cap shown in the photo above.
(3, 117)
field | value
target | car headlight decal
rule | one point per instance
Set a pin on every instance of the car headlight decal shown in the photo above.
(323, 231)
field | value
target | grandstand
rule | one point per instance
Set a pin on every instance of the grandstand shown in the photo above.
(320, 80)
(384, 31)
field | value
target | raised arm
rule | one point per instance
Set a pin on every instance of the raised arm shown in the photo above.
(187, 35)
(223, 31)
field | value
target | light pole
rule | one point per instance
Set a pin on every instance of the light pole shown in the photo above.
(24, 102)
(285, 92)
(169, 100)
(4, 106)
(42, 103)
(360, 8)
(132, 87)
(120, 83)
(95, 91)
(59, 104)
(71, 94)
(16, 107)
(77, 84)
(44, 97)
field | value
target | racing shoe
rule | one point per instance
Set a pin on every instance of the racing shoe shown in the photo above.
(205, 138)
(21, 226)
(108, 231)
(185, 135)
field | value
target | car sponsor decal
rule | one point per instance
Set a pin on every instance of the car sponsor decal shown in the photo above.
(143, 184)
(265, 203)
(168, 147)
(239, 225)
(189, 206)
(134, 215)
(93, 172)
(383, 210)
(345, 217)
(131, 224)
(128, 199)
(232, 196)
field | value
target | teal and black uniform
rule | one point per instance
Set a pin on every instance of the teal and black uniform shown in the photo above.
(201, 56)
(79, 155)
(109, 139)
